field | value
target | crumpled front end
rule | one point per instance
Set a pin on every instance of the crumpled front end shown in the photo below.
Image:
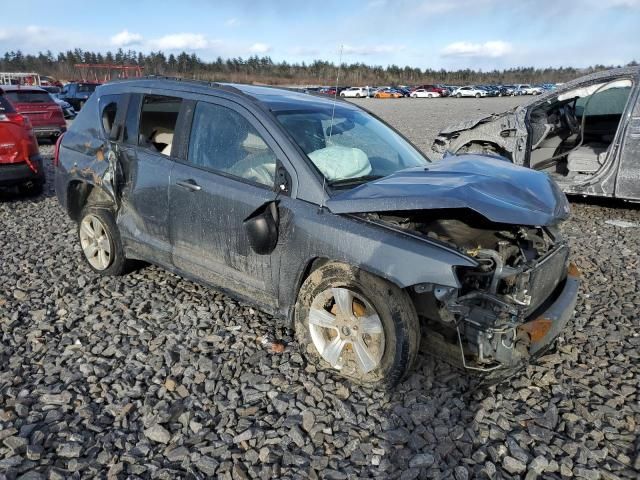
(508, 307)
(514, 312)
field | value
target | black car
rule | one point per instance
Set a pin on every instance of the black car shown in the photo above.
(77, 93)
(323, 216)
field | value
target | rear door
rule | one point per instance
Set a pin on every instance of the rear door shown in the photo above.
(226, 176)
(627, 185)
(146, 159)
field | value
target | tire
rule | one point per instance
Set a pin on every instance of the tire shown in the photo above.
(429, 96)
(478, 95)
(459, 95)
(342, 95)
(393, 338)
(357, 95)
(117, 262)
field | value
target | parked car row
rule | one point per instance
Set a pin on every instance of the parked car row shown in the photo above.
(433, 91)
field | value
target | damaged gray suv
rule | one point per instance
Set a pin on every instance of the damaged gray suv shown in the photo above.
(322, 215)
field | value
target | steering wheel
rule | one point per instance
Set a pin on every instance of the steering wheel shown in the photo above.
(570, 118)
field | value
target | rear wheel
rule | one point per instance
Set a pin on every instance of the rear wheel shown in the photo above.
(100, 241)
(357, 324)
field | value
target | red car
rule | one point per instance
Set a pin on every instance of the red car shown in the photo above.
(20, 162)
(39, 107)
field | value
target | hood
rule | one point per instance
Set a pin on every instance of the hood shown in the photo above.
(496, 189)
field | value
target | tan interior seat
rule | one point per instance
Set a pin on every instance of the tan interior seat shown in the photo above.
(163, 137)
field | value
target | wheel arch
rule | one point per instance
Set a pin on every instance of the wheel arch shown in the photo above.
(82, 192)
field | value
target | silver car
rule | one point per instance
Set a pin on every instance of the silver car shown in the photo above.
(585, 135)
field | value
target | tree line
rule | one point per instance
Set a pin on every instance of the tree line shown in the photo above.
(265, 70)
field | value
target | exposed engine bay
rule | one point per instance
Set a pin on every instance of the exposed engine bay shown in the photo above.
(518, 270)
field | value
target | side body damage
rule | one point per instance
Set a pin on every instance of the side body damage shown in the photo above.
(475, 244)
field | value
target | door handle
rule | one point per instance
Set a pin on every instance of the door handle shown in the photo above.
(190, 185)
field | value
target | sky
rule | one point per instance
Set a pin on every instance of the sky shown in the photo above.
(450, 34)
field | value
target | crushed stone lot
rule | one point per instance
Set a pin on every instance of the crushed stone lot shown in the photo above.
(152, 376)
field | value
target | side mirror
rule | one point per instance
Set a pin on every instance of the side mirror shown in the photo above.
(261, 228)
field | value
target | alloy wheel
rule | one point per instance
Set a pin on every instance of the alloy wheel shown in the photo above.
(346, 330)
(95, 242)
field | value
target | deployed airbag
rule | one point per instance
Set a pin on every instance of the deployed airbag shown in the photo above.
(337, 163)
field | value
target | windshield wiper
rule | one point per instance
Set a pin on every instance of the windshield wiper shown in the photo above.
(344, 182)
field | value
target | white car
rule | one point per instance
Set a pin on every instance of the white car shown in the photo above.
(422, 93)
(355, 92)
(526, 89)
(469, 91)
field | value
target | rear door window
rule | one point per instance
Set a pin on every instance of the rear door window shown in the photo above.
(157, 126)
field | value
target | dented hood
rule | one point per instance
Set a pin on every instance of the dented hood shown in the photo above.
(496, 189)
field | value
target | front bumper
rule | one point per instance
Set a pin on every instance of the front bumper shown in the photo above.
(487, 348)
(547, 326)
(19, 173)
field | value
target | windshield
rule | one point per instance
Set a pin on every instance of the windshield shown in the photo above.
(86, 87)
(356, 146)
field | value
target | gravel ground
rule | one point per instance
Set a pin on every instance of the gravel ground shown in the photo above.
(152, 376)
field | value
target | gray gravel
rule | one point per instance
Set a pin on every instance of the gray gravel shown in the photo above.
(152, 376)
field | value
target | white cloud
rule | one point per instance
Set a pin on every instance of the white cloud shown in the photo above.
(491, 49)
(180, 41)
(260, 48)
(232, 22)
(126, 38)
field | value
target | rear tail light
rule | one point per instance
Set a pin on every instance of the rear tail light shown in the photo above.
(56, 152)
(15, 118)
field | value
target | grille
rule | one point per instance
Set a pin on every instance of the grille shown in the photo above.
(546, 276)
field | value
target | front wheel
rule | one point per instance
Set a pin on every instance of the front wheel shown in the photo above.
(459, 95)
(477, 95)
(357, 95)
(363, 327)
(100, 241)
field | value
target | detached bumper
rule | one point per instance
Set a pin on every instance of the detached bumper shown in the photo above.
(547, 326)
